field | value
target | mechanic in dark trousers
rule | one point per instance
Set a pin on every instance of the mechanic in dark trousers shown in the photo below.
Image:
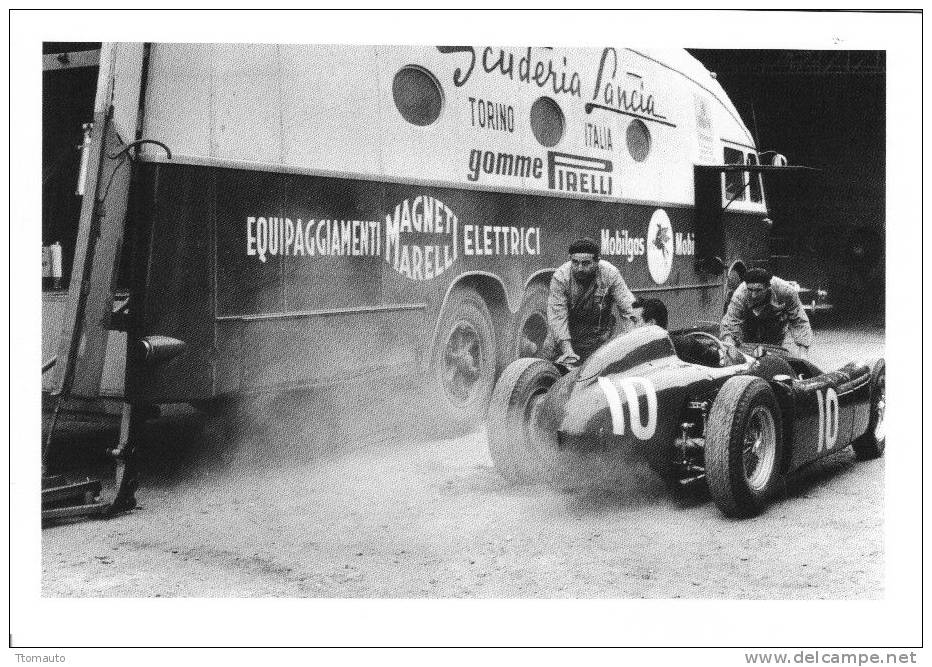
(766, 309)
(654, 311)
(584, 292)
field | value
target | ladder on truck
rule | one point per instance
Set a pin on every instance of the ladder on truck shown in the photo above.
(106, 174)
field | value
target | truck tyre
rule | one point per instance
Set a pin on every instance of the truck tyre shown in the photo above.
(520, 449)
(530, 329)
(464, 358)
(872, 444)
(743, 446)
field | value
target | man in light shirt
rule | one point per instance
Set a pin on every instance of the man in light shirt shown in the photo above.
(585, 292)
(766, 309)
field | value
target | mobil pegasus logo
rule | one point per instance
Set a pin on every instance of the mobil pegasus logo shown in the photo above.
(420, 238)
(660, 243)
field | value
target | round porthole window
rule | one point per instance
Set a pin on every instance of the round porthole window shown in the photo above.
(418, 96)
(547, 121)
(638, 140)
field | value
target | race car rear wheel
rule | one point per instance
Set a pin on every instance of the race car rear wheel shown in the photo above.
(520, 448)
(464, 358)
(872, 444)
(743, 446)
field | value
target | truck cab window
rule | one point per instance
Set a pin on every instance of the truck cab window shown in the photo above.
(734, 181)
(756, 191)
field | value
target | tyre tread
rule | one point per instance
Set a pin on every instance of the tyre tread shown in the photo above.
(465, 299)
(724, 445)
(866, 446)
(503, 433)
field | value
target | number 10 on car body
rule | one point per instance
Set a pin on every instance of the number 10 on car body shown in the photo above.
(828, 419)
(613, 392)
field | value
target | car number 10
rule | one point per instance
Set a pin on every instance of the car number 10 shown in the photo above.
(828, 419)
(613, 394)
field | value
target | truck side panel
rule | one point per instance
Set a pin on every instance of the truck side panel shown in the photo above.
(363, 287)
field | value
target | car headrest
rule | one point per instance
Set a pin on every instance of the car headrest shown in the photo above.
(769, 366)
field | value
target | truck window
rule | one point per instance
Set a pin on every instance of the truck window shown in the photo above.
(734, 181)
(547, 121)
(756, 190)
(417, 95)
(638, 137)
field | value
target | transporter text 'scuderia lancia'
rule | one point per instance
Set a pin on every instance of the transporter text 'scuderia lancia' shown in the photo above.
(740, 424)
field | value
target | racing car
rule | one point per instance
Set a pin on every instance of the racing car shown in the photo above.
(739, 423)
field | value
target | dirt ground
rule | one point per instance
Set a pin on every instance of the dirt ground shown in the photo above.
(305, 501)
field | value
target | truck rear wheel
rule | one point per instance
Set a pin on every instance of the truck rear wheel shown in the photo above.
(464, 359)
(531, 323)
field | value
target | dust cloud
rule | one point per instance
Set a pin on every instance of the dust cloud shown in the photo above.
(294, 429)
(364, 491)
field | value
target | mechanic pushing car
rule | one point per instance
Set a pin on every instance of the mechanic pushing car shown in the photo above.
(584, 292)
(764, 309)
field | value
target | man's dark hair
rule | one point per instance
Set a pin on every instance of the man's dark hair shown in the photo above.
(654, 309)
(585, 244)
(758, 275)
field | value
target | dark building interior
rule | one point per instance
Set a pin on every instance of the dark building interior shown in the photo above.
(823, 109)
(68, 88)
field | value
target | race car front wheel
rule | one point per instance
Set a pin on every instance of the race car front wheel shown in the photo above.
(743, 446)
(520, 448)
(872, 444)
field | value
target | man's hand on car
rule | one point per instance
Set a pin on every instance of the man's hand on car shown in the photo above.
(730, 353)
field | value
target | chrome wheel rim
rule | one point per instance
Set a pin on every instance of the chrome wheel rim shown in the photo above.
(462, 362)
(760, 448)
